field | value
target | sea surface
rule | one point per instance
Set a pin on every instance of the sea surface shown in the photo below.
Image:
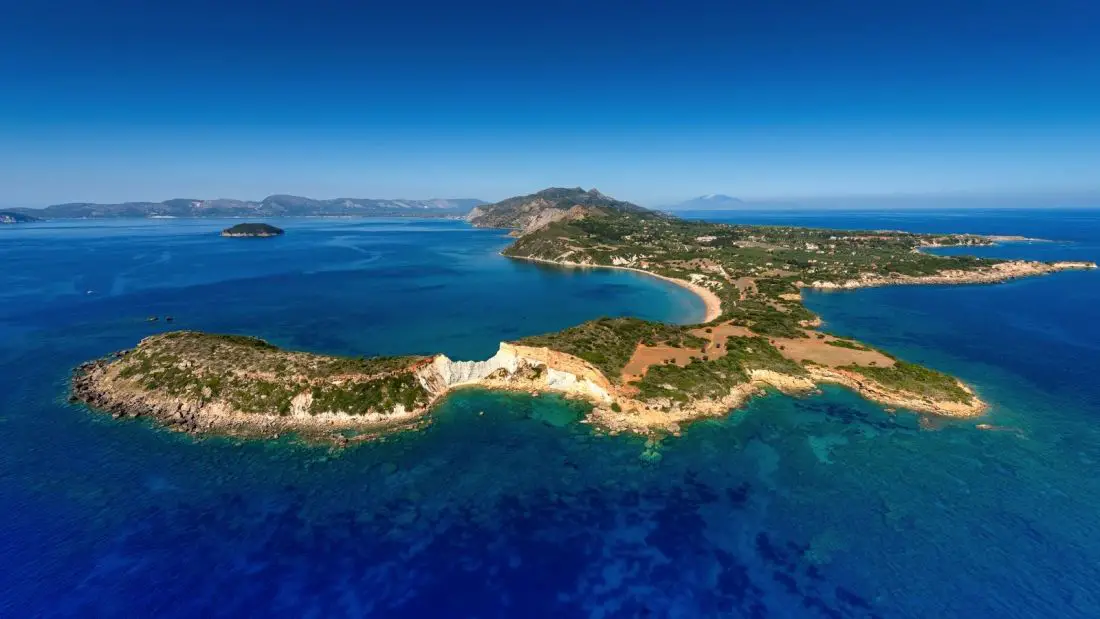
(506, 506)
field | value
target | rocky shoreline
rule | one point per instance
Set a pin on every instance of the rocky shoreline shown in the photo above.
(241, 386)
(92, 387)
(104, 385)
(1004, 271)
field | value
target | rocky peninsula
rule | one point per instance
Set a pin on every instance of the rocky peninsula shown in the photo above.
(639, 376)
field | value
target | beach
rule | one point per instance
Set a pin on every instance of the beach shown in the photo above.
(711, 300)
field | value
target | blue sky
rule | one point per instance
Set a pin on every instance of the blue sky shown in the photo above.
(647, 100)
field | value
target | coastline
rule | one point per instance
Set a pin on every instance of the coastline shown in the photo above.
(109, 386)
(327, 406)
(711, 301)
(1004, 271)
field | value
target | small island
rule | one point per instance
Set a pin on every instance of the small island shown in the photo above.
(639, 376)
(252, 231)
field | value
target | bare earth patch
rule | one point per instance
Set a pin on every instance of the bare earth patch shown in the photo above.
(813, 348)
(821, 352)
(647, 356)
(746, 286)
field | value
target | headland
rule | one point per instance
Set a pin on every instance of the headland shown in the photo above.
(639, 376)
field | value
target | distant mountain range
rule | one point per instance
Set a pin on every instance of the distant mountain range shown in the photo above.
(710, 202)
(271, 206)
(530, 212)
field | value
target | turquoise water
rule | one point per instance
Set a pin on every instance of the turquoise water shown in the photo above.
(824, 506)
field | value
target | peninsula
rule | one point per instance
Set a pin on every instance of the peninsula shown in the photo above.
(640, 376)
(12, 217)
(252, 230)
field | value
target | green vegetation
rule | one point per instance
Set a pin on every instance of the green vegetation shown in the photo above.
(757, 272)
(916, 379)
(756, 353)
(382, 394)
(774, 257)
(254, 376)
(849, 344)
(714, 378)
(252, 230)
(766, 319)
(608, 343)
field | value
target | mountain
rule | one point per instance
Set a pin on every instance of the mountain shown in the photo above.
(710, 202)
(530, 212)
(12, 217)
(270, 206)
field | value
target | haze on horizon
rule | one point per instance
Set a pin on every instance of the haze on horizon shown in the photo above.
(973, 103)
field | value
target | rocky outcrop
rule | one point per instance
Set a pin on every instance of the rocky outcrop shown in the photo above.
(894, 398)
(549, 216)
(526, 217)
(531, 212)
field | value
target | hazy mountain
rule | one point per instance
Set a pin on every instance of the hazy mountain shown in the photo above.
(538, 209)
(710, 202)
(269, 206)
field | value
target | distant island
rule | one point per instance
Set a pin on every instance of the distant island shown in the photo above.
(640, 376)
(11, 217)
(252, 230)
(271, 206)
(709, 202)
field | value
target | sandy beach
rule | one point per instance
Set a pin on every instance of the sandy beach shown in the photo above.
(711, 300)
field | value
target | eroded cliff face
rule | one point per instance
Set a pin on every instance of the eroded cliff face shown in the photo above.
(520, 368)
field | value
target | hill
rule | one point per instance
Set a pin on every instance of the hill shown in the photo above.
(710, 202)
(534, 211)
(274, 205)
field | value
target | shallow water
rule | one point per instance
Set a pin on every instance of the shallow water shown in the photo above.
(504, 506)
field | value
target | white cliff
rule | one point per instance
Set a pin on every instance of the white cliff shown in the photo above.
(518, 368)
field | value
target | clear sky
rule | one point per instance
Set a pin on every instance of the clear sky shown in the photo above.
(648, 100)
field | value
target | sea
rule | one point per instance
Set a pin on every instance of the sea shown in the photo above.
(507, 505)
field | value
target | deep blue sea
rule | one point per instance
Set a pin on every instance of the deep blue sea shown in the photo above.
(504, 506)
